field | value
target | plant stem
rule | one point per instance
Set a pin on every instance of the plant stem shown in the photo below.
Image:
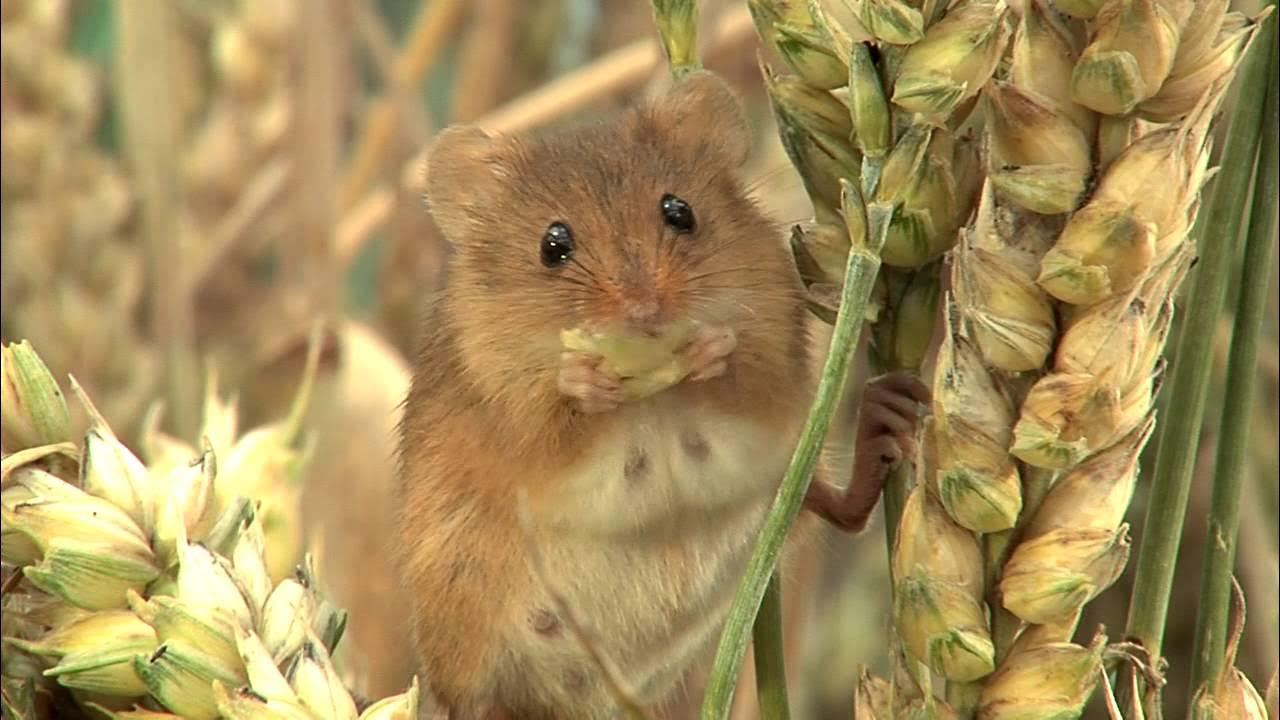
(771, 672)
(896, 488)
(432, 30)
(859, 277)
(1233, 443)
(315, 138)
(963, 697)
(1193, 363)
(145, 57)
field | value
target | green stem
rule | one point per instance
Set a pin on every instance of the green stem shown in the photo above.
(896, 488)
(1233, 442)
(1193, 363)
(963, 697)
(860, 274)
(771, 672)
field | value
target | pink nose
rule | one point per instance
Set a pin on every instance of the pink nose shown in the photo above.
(643, 315)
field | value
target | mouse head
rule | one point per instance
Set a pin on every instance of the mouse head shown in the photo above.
(631, 223)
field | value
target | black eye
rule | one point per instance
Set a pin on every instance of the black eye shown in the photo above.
(557, 245)
(677, 214)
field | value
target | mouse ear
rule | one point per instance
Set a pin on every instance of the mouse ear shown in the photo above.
(461, 171)
(707, 115)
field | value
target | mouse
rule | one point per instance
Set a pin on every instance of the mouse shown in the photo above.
(643, 512)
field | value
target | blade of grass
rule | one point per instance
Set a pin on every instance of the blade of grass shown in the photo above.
(1193, 363)
(1230, 466)
(859, 277)
(771, 673)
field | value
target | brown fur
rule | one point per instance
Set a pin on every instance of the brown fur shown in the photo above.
(484, 418)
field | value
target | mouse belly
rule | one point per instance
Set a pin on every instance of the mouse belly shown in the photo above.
(646, 540)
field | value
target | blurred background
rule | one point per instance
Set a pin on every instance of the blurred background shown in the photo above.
(192, 184)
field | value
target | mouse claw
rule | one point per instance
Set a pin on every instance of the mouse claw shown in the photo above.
(584, 378)
(706, 354)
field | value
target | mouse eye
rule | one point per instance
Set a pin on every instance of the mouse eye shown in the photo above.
(557, 245)
(677, 214)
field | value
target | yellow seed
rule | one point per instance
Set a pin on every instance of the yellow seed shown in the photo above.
(914, 315)
(1009, 315)
(919, 193)
(1105, 249)
(1027, 135)
(821, 158)
(1049, 578)
(31, 403)
(825, 251)
(871, 697)
(803, 43)
(180, 624)
(867, 105)
(1047, 681)
(110, 471)
(1096, 493)
(977, 483)
(807, 51)
(317, 684)
(930, 543)
(264, 675)
(954, 60)
(944, 628)
(181, 679)
(891, 21)
(1042, 62)
(1131, 55)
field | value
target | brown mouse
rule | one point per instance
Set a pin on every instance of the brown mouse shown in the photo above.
(644, 511)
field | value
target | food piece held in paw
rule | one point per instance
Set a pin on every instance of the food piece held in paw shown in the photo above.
(645, 364)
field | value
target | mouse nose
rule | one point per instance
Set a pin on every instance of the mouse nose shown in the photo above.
(643, 314)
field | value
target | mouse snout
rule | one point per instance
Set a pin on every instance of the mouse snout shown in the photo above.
(642, 313)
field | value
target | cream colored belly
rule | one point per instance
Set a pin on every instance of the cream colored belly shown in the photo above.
(646, 543)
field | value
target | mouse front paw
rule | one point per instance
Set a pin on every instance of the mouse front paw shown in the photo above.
(887, 420)
(707, 352)
(584, 379)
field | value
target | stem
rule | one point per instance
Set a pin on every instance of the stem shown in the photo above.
(771, 671)
(315, 139)
(432, 30)
(963, 697)
(896, 488)
(860, 274)
(1193, 363)
(1233, 442)
(145, 56)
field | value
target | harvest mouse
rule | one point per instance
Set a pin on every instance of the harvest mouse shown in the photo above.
(643, 512)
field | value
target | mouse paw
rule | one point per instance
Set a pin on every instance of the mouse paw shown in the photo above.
(887, 420)
(584, 378)
(706, 354)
